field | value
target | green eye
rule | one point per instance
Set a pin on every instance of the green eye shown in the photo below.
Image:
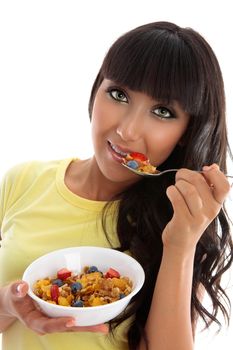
(118, 95)
(163, 113)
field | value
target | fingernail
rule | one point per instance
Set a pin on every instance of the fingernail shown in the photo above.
(70, 323)
(206, 168)
(215, 166)
(19, 289)
(209, 167)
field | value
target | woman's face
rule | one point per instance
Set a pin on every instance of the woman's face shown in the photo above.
(125, 121)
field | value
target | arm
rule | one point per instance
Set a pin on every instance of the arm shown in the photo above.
(5, 319)
(195, 205)
(169, 320)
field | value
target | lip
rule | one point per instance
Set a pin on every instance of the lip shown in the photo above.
(122, 149)
(114, 155)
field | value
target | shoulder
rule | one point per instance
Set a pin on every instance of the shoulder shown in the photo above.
(20, 177)
(24, 172)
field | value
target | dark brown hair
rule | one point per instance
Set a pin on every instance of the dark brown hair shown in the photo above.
(168, 62)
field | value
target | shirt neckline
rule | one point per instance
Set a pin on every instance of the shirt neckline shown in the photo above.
(71, 197)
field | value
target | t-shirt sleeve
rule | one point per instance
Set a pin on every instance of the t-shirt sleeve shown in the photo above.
(11, 187)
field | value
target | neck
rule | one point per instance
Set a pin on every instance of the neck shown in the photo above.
(85, 179)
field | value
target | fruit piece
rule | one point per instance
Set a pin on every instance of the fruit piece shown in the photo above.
(132, 164)
(75, 287)
(96, 301)
(92, 269)
(54, 290)
(63, 301)
(78, 303)
(112, 273)
(138, 156)
(58, 282)
(63, 274)
(119, 282)
(121, 296)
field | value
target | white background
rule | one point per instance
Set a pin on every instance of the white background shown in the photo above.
(50, 53)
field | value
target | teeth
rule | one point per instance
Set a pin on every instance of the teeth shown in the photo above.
(123, 154)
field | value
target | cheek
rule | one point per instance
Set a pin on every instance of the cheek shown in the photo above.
(97, 114)
(165, 142)
(101, 116)
(169, 137)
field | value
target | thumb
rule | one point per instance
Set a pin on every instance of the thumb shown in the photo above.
(19, 289)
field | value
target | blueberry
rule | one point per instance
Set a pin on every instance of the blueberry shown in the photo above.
(58, 282)
(78, 303)
(75, 287)
(132, 164)
(92, 269)
(122, 295)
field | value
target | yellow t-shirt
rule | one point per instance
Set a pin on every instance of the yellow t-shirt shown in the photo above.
(38, 214)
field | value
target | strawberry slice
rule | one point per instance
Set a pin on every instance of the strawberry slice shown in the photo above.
(138, 156)
(54, 290)
(112, 273)
(63, 274)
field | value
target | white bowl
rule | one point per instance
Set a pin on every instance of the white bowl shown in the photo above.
(74, 259)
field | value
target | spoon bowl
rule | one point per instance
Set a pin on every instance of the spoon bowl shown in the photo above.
(157, 173)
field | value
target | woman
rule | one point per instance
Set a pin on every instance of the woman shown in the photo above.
(159, 92)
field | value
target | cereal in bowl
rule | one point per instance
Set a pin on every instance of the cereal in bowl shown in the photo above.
(89, 288)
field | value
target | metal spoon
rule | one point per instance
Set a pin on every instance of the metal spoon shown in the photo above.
(159, 173)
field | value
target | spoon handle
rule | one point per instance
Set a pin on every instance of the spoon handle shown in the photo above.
(197, 171)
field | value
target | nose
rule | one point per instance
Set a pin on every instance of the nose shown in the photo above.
(131, 127)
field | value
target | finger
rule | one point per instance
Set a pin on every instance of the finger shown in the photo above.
(43, 324)
(63, 324)
(220, 185)
(199, 182)
(19, 289)
(178, 203)
(206, 168)
(101, 328)
(190, 195)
